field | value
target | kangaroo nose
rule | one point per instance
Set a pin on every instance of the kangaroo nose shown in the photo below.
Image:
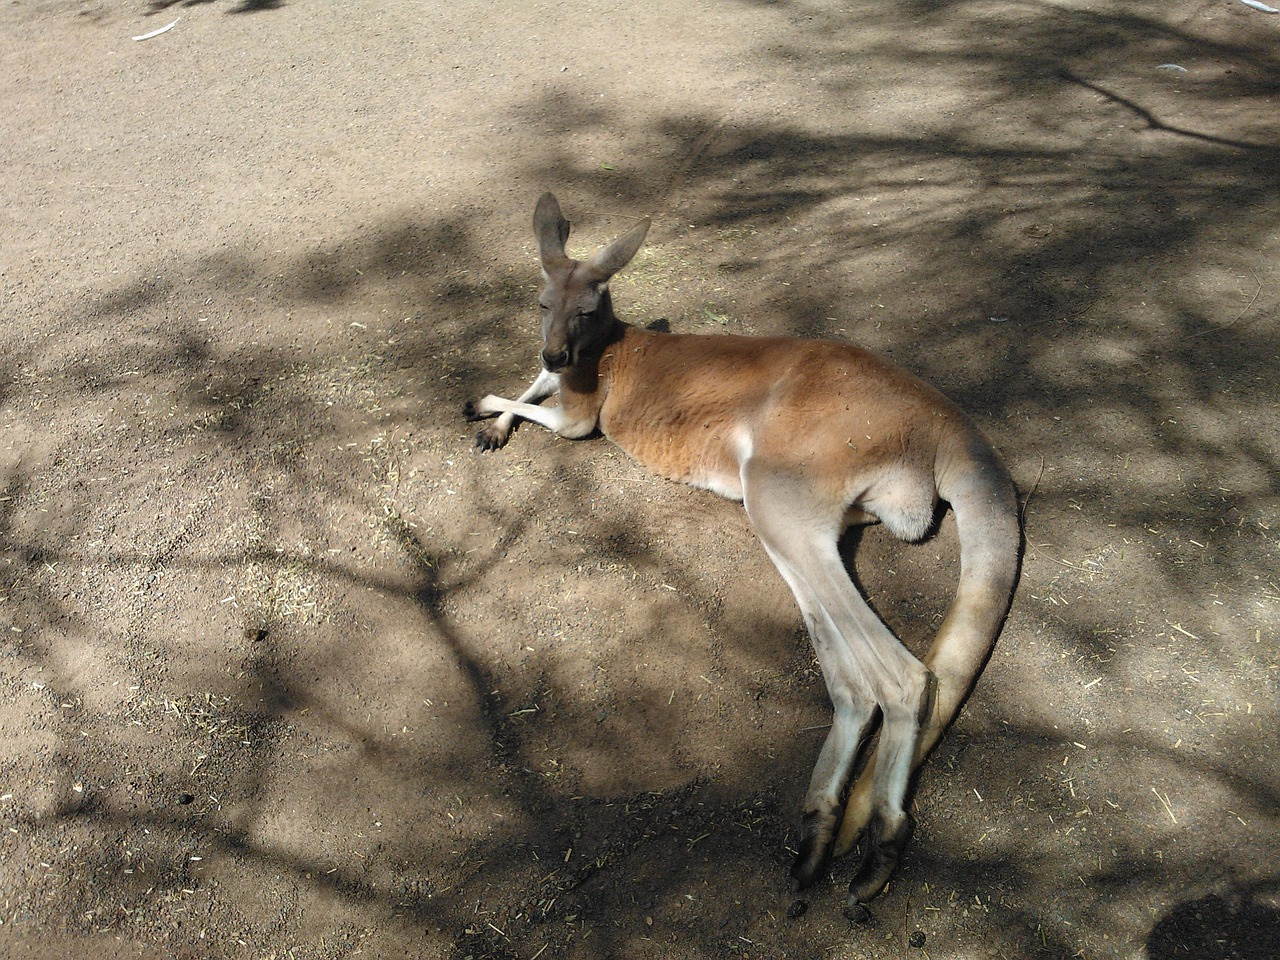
(555, 361)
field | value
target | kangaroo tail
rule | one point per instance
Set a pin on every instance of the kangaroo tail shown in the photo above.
(985, 503)
(984, 500)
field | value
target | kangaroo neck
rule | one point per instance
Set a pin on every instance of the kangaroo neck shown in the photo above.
(584, 376)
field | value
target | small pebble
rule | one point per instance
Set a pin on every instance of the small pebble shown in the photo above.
(797, 909)
(916, 939)
(185, 799)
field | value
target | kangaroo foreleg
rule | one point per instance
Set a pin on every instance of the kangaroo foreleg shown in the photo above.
(497, 433)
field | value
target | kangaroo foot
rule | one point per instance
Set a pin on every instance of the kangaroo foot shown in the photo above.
(818, 830)
(882, 849)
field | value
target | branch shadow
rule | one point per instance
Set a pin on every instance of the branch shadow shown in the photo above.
(241, 6)
(1020, 255)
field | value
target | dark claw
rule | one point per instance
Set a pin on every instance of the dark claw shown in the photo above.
(469, 411)
(881, 852)
(817, 833)
(485, 442)
(856, 912)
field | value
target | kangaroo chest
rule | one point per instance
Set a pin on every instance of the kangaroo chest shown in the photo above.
(682, 428)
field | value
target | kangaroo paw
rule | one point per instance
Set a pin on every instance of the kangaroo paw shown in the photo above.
(491, 438)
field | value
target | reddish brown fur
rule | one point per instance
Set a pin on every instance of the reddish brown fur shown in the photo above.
(833, 411)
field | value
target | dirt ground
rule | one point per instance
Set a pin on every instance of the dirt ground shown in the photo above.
(289, 670)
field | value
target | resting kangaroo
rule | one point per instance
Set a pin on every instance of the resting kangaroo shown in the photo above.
(812, 436)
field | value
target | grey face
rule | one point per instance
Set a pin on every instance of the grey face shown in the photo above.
(576, 314)
(572, 321)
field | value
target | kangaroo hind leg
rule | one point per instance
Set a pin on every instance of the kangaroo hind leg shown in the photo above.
(864, 665)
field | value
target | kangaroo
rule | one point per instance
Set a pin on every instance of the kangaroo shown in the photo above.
(812, 436)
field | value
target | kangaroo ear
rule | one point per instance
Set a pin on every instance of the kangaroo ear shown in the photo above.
(607, 261)
(551, 228)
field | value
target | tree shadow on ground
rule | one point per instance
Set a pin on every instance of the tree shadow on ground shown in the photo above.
(1234, 924)
(1044, 237)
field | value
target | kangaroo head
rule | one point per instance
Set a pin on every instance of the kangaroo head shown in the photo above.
(577, 314)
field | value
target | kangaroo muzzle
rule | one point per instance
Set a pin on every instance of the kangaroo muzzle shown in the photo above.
(555, 360)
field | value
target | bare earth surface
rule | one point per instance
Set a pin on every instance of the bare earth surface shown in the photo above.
(289, 670)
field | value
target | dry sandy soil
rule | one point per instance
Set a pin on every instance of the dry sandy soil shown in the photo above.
(289, 670)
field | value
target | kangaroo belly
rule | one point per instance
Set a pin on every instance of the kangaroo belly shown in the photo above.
(680, 406)
(704, 452)
(696, 408)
